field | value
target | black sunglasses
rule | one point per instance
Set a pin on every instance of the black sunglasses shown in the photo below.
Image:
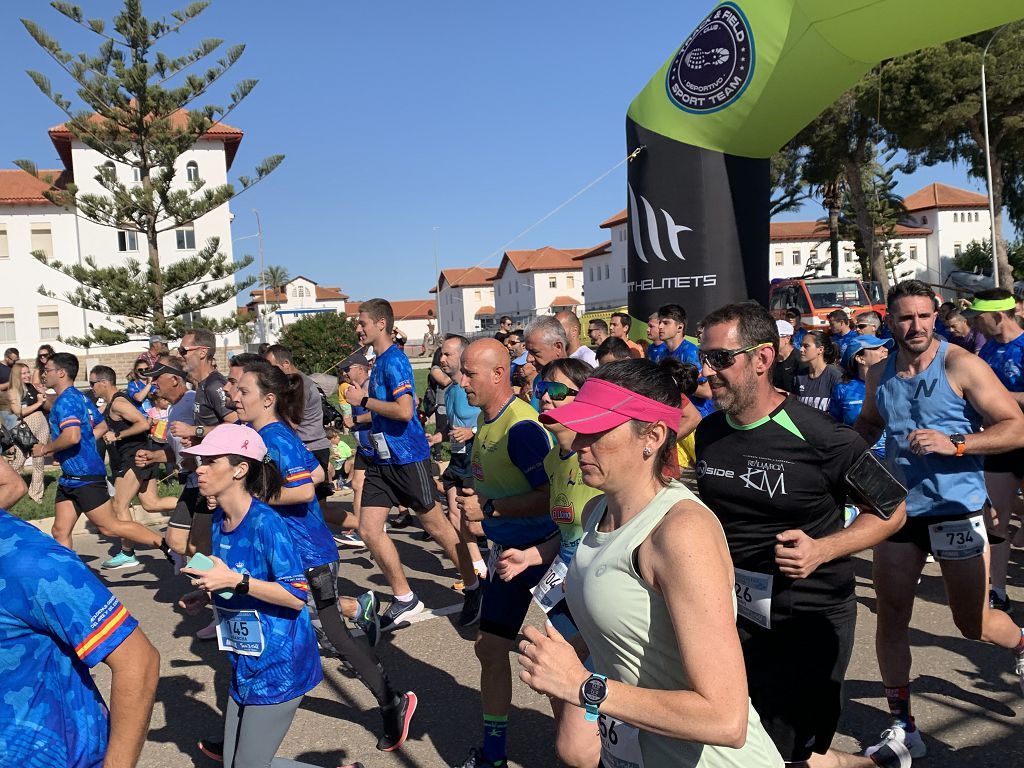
(720, 359)
(555, 390)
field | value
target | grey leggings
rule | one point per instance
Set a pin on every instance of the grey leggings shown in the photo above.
(253, 733)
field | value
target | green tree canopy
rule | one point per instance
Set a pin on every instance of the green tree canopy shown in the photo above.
(319, 342)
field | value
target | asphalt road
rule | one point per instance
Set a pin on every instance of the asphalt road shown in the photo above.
(966, 700)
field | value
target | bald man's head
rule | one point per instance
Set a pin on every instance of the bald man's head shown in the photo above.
(485, 375)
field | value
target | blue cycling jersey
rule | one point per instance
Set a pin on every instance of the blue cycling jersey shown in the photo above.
(390, 380)
(56, 622)
(1007, 360)
(73, 409)
(313, 540)
(289, 664)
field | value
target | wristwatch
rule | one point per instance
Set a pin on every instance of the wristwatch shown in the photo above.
(488, 508)
(200, 430)
(960, 442)
(592, 693)
(242, 587)
(362, 403)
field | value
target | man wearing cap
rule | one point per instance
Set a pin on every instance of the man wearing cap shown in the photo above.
(931, 399)
(784, 370)
(157, 347)
(511, 500)
(993, 312)
(847, 398)
(774, 472)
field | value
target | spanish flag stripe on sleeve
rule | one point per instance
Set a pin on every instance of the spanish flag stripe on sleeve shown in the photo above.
(71, 421)
(102, 632)
(305, 475)
(401, 389)
(299, 585)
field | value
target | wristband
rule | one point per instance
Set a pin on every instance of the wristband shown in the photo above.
(362, 403)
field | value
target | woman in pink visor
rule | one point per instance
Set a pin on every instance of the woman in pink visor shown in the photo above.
(651, 590)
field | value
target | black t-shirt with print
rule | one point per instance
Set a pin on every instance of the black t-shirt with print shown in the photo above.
(817, 392)
(212, 403)
(783, 473)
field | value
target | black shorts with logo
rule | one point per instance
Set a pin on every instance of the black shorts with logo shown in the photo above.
(915, 530)
(86, 497)
(362, 462)
(190, 504)
(391, 485)
(122, 460)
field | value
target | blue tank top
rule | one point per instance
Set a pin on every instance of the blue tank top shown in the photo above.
(937, 485)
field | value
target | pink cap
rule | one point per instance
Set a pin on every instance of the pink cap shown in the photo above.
(231, 439)
(601, 405)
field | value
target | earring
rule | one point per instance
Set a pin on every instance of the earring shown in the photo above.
(647, 451)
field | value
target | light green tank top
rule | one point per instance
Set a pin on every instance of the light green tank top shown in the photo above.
(629, 632)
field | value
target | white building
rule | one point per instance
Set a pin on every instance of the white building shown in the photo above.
(416, 318)
(465, 300)
(29, 222)
(943, 220)
(299, 298)
(540, 282)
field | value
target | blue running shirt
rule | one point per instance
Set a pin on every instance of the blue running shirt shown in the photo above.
(1007, 360)
(656, 351)
(390, 379)
(56, 622)
(290, 663)
(73, 409)
(313, 540)
(685, 353)
(845, 405)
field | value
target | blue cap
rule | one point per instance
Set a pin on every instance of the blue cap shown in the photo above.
(860, 343)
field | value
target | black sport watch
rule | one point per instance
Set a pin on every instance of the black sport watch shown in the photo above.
(593, 692)
(200, 430)
(960, 442)
(242, 587)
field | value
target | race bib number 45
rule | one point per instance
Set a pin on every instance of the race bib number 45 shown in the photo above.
(958, 539)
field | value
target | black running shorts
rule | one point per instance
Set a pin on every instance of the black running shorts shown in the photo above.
(507, 602)
(362, 462)
(915, 530)
(458, 474)
(391, 485)
(85, 498)
(1012, 462)
(795, 673)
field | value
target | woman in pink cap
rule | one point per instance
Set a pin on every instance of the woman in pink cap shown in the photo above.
(651, 589)
(259, 595)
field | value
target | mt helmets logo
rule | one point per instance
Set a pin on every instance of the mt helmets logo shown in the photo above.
(715, 64)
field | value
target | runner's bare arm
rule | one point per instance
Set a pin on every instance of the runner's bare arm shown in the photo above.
(1003, 418)
(69, 437)
(870, 424)
(690, 420)
(12, 486)
(128, 412)
(135, 670)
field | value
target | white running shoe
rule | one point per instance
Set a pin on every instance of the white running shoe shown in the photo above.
(895, 737)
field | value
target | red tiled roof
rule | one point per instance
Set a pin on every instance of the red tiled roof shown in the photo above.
(542, 259)
(257, 296)
(61, 136)
(329, 294)
(322, 293)
(943, 196)
(465, 277)
(789, 231)
(564, 301)
(488, 310)
(597, 250)
(20, 188)
(618, 218)
(415, 309)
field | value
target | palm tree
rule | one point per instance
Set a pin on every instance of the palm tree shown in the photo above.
(275, 278)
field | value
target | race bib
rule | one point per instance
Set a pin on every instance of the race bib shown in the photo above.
(620, 743)
(380, 445)
(958, 539)
(754, 597)
(239, 632)
(550, 590)
(492, 560)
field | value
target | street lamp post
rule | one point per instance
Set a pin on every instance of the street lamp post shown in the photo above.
(988, 159)
(263, 280)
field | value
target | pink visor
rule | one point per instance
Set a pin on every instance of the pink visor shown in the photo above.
(601, 406)
(233, 440)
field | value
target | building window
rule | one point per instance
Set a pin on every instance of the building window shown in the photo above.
(623, 274)
(780, 258)
(192, 171)
(956, 217)
(127, 240)
(570, 281)
(590, 276)
(7, 335)
(186, 238)
(497, 289)
(42, 240)
(957, 249)
(5, 252)
(848, 255)
(607, 269)
(552, 281)
(136, 175)
(975, 215)
(796, 258)
(622, 234)
(912, 250)
(49, 323)
(924, 219)
(812, 257)
(477, 296)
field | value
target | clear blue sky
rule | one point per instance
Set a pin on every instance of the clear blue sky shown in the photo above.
(396, 118)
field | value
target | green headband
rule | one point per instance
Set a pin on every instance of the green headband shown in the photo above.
(993, 305)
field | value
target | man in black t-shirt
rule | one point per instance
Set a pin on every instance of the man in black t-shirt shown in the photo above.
(788, 361)
(504, 328)
(773, 471)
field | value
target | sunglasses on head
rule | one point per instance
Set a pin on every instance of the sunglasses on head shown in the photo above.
(865, 325)
(720, 359)
(555, 390)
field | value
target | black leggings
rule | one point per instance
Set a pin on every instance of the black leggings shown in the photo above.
(323, 596)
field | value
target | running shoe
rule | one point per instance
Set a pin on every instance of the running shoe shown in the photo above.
(208, 632)
(398, 614)
(212, 749)
(404, 520)
(120, 560)
(368, 618)
(178, 561)
(476, 760)
(350, 539)
(898, 740)
(396, 722)
(998, 603)
(472, 604)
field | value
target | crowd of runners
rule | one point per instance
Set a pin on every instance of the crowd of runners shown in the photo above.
(684, 512)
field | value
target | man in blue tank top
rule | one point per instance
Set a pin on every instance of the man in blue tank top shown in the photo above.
(930, 398)
(993, 314)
